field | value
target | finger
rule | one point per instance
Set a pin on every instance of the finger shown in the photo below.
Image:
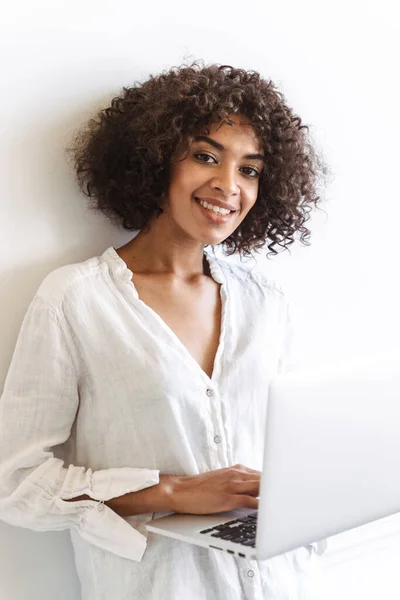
(246, 469)
(239, 475)
(242, 501)
(251, 487)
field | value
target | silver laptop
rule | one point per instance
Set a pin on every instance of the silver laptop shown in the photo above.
(331, 463)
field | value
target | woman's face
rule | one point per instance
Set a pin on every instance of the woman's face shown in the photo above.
(218, 169)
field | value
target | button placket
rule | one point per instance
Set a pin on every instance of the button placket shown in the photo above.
(217, 438)
(251, 580)
(218, 433)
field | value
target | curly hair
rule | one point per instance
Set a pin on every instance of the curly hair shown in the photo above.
(122, 157)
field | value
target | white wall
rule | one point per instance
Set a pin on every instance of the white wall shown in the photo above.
(336, 65)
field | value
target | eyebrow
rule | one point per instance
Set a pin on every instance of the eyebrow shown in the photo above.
(205, 138)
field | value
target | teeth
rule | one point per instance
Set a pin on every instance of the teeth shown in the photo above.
(215, 209)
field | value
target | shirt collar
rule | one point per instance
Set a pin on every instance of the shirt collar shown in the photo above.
(120, 268)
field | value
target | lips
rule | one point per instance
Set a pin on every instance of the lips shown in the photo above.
(217, 203)
(214, 217)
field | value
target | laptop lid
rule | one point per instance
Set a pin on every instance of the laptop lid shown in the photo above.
(331, 454)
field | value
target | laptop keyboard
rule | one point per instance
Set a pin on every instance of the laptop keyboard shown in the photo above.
(240, 531)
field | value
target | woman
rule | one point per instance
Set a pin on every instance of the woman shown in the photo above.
(139, 380)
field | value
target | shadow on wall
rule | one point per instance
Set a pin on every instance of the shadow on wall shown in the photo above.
(29, 556)
(54, 221)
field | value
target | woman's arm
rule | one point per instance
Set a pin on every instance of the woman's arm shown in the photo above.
(37, 411)
(211, 492)
(154, 499)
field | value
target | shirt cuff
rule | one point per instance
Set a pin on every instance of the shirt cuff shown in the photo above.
(103, 527)
(106, 484)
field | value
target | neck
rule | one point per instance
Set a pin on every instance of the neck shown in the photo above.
(158, 251)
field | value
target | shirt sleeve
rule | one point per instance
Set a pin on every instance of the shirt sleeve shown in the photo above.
(37, 410)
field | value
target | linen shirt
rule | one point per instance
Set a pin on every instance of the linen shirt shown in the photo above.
(101, 397)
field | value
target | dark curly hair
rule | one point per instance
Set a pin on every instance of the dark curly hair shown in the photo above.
(122, 157)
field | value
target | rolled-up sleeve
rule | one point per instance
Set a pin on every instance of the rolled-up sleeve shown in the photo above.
(37, 411)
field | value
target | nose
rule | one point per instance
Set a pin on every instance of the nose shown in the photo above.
(227, 180)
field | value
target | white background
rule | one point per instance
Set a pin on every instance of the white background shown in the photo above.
(336, 65)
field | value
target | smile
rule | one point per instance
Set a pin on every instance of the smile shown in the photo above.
(214, 214)
(212, 207)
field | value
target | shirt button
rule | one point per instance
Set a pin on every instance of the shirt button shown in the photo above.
(250, 573)
(210, 393)
(217, 439)
(100, 505)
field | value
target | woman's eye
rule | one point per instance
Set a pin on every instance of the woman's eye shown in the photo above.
(201, 154)
(256, 173)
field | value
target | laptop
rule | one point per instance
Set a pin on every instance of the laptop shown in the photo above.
(331, 463)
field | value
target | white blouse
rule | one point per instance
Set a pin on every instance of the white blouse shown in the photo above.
(101, 397)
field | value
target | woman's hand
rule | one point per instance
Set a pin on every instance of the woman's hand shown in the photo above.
(214, 491)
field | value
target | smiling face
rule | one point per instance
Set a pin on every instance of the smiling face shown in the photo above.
(221, 169)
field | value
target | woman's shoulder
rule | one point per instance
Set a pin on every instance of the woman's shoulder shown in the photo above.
(69, 279)
(251, 275)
